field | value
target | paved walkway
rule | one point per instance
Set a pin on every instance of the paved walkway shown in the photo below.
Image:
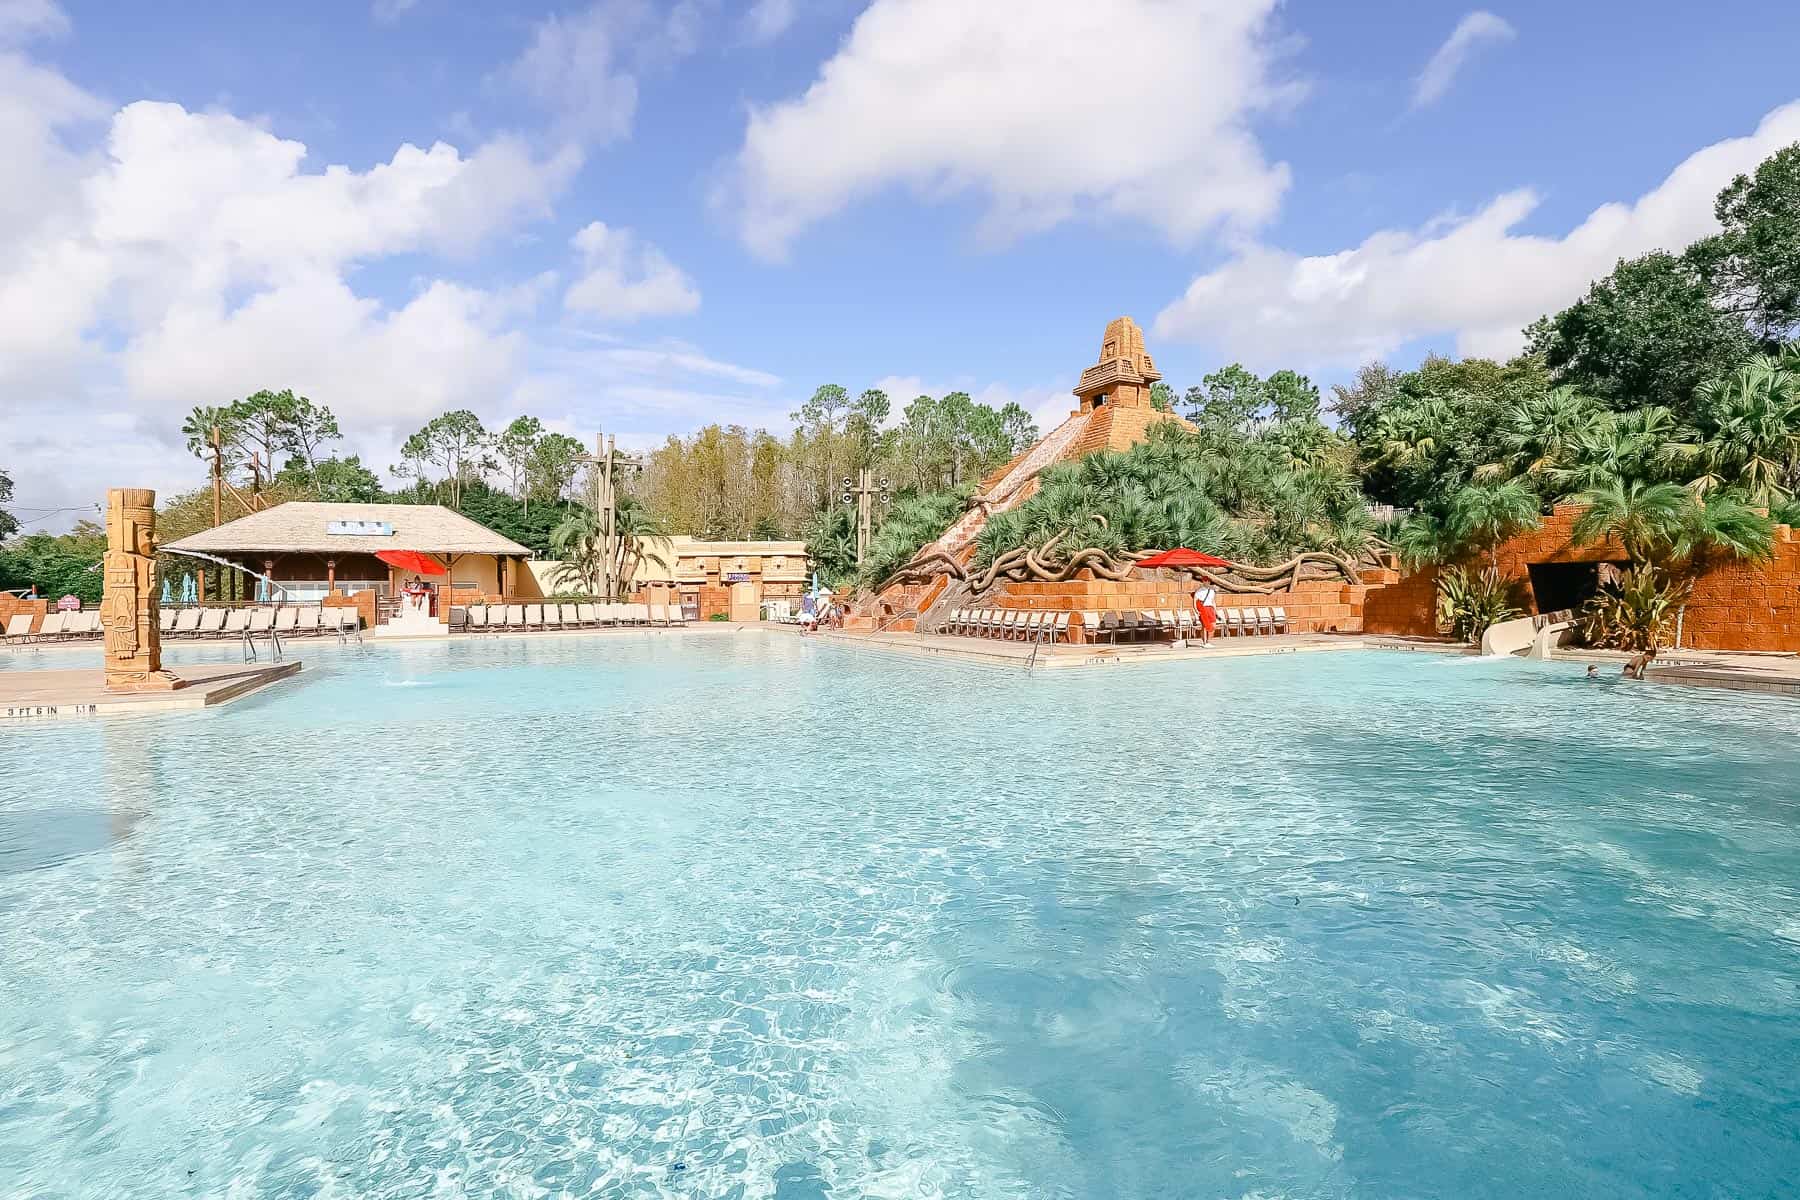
(81, 691)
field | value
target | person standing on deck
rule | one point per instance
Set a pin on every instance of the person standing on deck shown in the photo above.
(1206, 608)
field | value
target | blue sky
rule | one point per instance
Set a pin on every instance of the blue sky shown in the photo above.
(645, 216)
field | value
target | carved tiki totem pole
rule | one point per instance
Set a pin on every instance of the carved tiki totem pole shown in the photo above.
(128, 609)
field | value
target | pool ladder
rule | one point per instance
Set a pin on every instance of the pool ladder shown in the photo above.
(275, 649)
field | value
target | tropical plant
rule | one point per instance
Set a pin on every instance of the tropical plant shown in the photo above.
(1470, 601)
(1634, 610)
(909, 524)
(1750, 431)
(579, 543)
(1648, 519)
(1482, 515)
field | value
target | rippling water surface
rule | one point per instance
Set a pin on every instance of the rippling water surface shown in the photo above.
(753, 916)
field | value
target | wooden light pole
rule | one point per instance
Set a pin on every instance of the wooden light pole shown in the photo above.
(864, 494)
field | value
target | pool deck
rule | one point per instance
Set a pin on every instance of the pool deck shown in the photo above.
(1741, 671)
(1018, 655)
(81, 692)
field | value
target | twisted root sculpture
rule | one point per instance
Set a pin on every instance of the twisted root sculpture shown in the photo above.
(1026, 564)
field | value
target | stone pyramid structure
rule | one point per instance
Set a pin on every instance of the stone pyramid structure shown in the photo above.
(1114, 413)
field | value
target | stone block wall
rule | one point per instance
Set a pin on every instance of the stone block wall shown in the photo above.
(1315, 606)
(362, 602)
(1734, 606)
(11, 606)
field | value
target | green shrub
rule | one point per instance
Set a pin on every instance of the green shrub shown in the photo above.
(1469, 602)
(1634, 611)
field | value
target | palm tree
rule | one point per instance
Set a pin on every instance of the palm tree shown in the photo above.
(1541, 434)
(1422, 541)
(1724, 527)
(1486, 514)
(637, 531)
(576, 541)
(1649, 519)
(1751, 420)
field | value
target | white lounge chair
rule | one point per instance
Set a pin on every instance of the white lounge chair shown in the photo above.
(236, 622)
(166, 620)
(1280, 621)
(1059, 629)
(587, 615)
(534, 616)
(515, 616)
(51, 628)
(262, 620)
(1265, 620)
(569, 616)
(18, 628)
(287, 620)
(306, 620)
(187, 622)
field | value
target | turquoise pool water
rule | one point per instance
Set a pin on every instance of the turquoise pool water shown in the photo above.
(753, 916)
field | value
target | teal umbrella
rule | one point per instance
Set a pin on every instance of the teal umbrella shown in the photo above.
(190, 590)
(262, 590)
(168, 596)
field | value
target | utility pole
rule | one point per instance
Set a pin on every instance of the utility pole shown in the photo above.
(863, 494)
(605, 459)
(218, 474)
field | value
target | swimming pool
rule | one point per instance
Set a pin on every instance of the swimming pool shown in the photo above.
(757, 916)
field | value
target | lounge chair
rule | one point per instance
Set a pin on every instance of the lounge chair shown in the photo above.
(567, 616)
(51, 628)
(262, 620)
(677, 614)
(587, 615)
(287, 620)
(18, 629)
(515, 616)
(1280, 620)
(1059, 627)
(1227, 624)
(237, 621)
(1265, 620)
(534, 616)
(212, 622)
(1108, 628)
(166, 619)
(187, 622)
(306, 620)
(1003, 623)
(954, 620)
(1184, 624)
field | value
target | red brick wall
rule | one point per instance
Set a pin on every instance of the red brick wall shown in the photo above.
(1321, 605)
(11, 605)
(362, 602)
(1734, 606)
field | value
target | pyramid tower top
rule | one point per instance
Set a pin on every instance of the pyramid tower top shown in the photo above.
(1123, 376)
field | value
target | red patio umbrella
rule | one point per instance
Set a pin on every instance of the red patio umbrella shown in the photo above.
(411, 560)
(1183, 557)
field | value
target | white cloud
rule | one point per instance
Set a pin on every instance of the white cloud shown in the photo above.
(768, 20)
(22, 20)
(389, 11)
(1474, 29)
(1135, 109)
(584, 67)
(625, 278)
(1473, 278)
